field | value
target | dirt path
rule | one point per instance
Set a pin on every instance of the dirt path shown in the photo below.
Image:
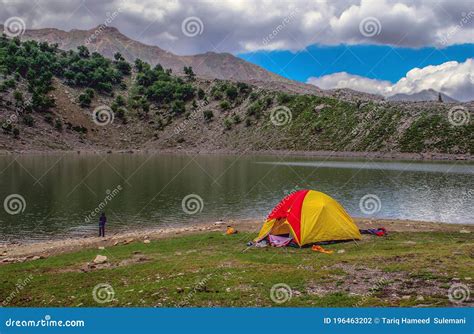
(24, 252)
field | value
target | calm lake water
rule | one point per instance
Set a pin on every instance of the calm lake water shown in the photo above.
(147, 190)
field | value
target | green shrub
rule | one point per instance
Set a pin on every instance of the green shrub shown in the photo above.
(231, 93)
(227, 124)
(225, 105)
(236, 119)
(208, 115)
(28, 120)
(58, 124)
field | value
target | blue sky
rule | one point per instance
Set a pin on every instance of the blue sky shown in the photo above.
(372, 61)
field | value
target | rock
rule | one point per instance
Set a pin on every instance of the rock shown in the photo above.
(468, 278)
(101, 248)
(410, 242)
(179, 290)
(455, 279)
(34, 258)
(464, 231)
(420, 298)
(227, 290)
(99, 259)
(146, 241)
(341, 251)
(116, 243)
(406, 297)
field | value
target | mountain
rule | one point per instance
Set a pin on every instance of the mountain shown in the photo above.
(424, 95)
(110, 40)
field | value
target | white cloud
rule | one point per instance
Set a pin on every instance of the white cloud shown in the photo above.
(452, 78)
(242, 25)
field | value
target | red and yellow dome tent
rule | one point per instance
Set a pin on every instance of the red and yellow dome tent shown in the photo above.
(310, 217)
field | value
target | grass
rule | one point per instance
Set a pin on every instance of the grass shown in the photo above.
(215, 270)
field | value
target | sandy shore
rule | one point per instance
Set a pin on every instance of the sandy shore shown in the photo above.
(424, 156)
(10, 253)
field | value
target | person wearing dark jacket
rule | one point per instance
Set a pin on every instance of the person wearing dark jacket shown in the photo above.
(102, 221)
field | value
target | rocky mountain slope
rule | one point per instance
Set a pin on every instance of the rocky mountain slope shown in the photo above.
(110, 40)
(211, 65)
(54, 100)
(424, 95)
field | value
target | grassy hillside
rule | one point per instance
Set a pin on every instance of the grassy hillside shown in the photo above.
(53, 100)
(210, 269)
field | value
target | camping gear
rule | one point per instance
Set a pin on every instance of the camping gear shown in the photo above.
(278, 241)
(230, 230)
(380, 232)
(320, 249)
(308, 217)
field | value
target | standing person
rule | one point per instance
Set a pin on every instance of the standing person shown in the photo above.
(102, 221)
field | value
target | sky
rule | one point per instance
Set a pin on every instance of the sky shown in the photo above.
(377, 46)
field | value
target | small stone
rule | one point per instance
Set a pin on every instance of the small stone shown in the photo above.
(406, 297)
(468, 278)
(455, 279)
(34, 258)
(99, 259)
(179, 290)
(341, 251)
(464, 231)
(227, 290)
(101, 248)
(420, 298)
(146, 241)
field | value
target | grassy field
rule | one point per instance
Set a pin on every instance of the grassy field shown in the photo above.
(210, 269)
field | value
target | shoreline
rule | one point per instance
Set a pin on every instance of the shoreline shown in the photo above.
(13, 252)
(426, 156)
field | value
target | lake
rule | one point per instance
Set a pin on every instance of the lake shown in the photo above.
(58, 195)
